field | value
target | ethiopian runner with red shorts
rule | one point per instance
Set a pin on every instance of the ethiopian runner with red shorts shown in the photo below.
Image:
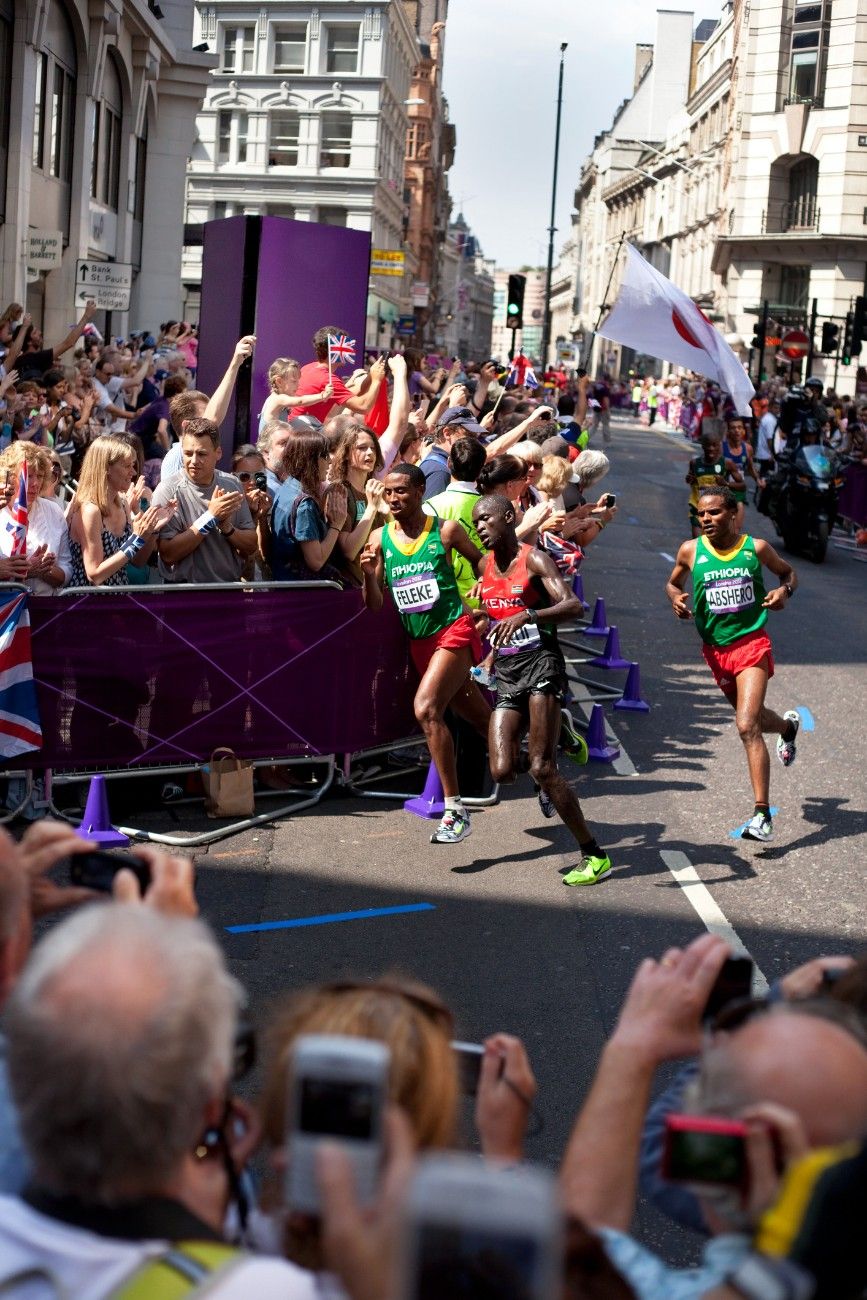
(730, 608)
(412, 556)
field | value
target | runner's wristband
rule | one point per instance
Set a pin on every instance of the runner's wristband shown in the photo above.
(788, 589)
(133, 545)
(205, 523)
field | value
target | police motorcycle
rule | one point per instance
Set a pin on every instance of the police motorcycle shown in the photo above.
(801, 499)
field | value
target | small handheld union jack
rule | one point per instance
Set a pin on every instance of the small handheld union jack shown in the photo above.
(340, 349)
(19, 515)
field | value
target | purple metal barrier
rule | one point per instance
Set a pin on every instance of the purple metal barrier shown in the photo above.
(162, 675)
(853, 496)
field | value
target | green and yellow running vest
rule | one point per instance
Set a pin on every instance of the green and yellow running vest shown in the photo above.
(727, 592)
(422, 581)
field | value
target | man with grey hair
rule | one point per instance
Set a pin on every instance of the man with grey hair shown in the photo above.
(272, 442)
(121, 1033)
(796, 1075)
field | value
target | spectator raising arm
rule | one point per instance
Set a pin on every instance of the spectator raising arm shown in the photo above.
(660, 1020)
(363, 402)
(507, 440)
(219, 403)
(389, 443)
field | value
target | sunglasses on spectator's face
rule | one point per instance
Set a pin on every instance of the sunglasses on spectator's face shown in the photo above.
(244, 475)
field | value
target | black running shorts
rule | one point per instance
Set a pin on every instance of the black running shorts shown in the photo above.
(538, 672)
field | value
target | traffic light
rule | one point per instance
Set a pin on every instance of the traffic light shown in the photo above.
(830, 330)
(859, 325)
(758, 339)
(515, 302)
(848, 339)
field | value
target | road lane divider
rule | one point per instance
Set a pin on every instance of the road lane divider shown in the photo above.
(709, 911)
(329, 918)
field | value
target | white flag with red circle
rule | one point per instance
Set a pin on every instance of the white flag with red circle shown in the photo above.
(656, 318)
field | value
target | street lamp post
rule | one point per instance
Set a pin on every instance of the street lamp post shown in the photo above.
(546, 328)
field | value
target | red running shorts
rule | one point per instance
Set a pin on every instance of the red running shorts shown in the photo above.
(726, 661)
(456, 636)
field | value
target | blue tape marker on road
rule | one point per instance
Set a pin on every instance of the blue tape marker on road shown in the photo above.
(736, 833)
(301, 921)
(808, 722)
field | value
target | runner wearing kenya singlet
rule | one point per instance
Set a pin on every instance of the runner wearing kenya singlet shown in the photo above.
(525, 596)
(412, 556)
(730, 608)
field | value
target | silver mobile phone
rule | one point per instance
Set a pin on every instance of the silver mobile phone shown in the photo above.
(338, 1091)
(473, 1229)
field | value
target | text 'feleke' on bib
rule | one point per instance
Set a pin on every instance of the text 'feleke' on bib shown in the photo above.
(417, 593)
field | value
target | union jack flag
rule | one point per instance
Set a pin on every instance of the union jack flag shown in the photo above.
(341, 349)
(530, 380)
(19, 515)
(20, 728)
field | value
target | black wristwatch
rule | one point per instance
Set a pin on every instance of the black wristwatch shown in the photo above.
(759, 1277)
(227, 535)
(788, 589)
(532, 616)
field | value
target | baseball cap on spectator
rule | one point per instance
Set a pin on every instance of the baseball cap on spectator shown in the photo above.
(462, 416)
(305, 424)
(148, 341)
(161, 374)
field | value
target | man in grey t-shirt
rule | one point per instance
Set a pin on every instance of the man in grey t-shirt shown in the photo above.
(211, 534)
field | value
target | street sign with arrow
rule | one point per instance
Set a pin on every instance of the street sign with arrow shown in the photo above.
(107, 283)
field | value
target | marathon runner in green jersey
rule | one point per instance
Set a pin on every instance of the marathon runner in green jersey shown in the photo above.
(730, 607)
(412, 556)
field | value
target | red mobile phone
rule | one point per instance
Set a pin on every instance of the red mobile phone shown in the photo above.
(705, 1151)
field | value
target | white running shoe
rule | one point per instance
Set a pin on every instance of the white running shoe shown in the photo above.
(786, 749)
(545, 802)
(453, 827)
(759, 827)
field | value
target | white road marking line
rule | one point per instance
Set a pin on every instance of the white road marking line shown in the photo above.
(623, 765)
(665, 555)
(709, 911)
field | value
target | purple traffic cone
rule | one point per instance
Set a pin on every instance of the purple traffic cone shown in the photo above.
(96, 822)
(597, 742)
(631, 697)
(578, 590)
(611, 656)
(598, 625)
(429, 803)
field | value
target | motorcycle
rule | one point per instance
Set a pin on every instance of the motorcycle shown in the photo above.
(803, 500)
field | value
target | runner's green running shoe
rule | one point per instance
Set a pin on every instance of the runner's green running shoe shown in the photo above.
(572, 743)
(592, 871)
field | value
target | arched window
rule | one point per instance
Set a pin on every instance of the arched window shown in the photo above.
(105, 167)
(803, 193)
(54, 109)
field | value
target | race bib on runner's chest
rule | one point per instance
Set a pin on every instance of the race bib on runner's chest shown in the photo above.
(727, 594)
(417, 593)
(526, 638)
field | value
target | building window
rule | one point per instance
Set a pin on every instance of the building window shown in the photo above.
(795, 287)
(53, 119)
(105, 170)
(290, 46)
(332, 216)
(809, 45)
(341, 48)
(802, 211)
(336, 148)
(137, 180)
(285, 127)
(39, 111)
(232, 133)
(6, 18)
(239, 49)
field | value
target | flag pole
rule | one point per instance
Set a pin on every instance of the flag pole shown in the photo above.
(586, 357)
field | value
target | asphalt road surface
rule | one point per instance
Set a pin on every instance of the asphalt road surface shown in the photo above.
(503, 940)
